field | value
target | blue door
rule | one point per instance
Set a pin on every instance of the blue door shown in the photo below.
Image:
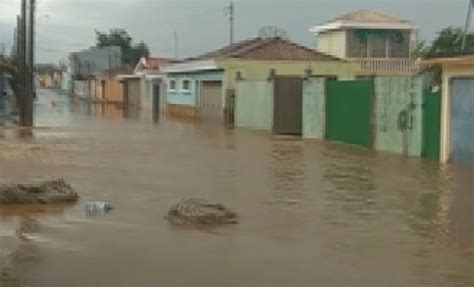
(462, 121)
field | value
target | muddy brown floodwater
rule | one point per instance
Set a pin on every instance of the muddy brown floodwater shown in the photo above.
(310, 213)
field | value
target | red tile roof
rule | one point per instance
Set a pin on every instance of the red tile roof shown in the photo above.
(156, 63)
(267, 49)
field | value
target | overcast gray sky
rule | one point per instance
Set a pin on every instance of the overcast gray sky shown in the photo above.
(68, 25)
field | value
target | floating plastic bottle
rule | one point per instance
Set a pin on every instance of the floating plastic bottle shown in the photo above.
(98, 208)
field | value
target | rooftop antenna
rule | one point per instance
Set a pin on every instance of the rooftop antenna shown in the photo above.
(230, 13)
(267, 32)
(468, 24)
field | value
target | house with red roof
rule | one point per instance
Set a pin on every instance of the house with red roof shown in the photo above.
(202, 87)
(144, 88)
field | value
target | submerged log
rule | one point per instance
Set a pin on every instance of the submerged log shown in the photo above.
(48, 192)
(201, 212)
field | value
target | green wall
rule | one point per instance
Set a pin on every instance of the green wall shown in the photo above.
(397, 98)
(314, 105)
(254, 105)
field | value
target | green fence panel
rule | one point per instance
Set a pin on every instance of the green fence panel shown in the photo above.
(254, 105)
(431, 124)
(398, 114)
(349, 112)
(314, 108)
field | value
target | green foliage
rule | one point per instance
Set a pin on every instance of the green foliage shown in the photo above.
(419, 50)
(131, 52)
(8, 64)
(448, 42)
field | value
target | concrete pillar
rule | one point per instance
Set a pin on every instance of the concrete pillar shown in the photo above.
(445, 118)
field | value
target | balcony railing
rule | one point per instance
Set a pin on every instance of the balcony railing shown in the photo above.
(387, 66)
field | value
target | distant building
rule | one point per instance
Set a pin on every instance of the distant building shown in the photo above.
(48, 76)
(145, 87)
(94, 60)
(106, 87)
(380, 43)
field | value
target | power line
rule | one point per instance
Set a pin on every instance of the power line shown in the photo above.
(468, 24)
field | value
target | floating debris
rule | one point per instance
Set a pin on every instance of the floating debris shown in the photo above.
(98, 208)
(8, 278)
(28, 225)
(48, 192)
(199, 211)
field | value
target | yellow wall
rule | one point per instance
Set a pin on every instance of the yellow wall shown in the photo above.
(259, 70)
(332, 43)
(450, 70)
(113, 91)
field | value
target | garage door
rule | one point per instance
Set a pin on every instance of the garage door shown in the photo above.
(211, 101)
(462, 121)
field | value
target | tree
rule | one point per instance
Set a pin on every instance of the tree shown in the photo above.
(447, 43)
(419, 50)
(131, 52)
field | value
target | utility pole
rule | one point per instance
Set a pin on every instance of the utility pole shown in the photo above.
(31, 66)
(468, 24)
(25, 58)
(22, 70)
(15, 41)
(231, 10)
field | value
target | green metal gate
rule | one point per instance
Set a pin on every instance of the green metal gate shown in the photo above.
(349, 106)
(431, 124)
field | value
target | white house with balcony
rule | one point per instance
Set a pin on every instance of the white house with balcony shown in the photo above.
(382, 44)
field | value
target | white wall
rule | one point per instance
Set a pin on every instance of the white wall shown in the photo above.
(81, 89)
(332, 43)
(145, 98)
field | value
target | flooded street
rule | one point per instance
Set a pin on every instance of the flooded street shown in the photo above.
(311, 213)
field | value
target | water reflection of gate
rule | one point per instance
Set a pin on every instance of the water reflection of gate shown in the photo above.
(288, 194)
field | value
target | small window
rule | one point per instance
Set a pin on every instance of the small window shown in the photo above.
(172, 85)
(186, 86)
